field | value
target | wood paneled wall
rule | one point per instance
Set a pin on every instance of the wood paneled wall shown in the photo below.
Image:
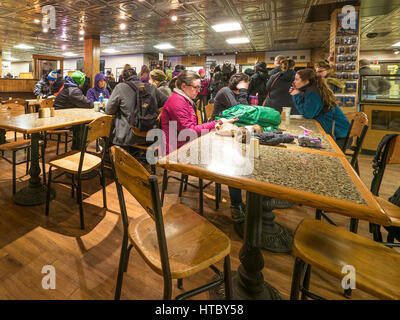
(194, 60)
(17, 85)
(250, 57)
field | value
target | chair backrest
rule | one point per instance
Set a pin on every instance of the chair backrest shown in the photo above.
(359, 120)
(47, 103)
(209, 110)
(394, 151)
(19, 101)
(13, 109)
(99, 128)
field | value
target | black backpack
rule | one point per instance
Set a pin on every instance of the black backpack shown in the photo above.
(145, 110)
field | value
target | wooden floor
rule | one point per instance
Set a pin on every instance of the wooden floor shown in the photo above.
(86, 262)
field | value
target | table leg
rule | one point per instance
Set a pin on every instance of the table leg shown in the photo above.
(3, 136)
(248, 281)
(275, 238)
(35, 192)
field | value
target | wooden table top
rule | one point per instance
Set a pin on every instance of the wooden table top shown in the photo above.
(321, 179)
(30, 123)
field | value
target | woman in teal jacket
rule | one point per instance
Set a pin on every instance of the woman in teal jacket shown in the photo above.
(314, 100)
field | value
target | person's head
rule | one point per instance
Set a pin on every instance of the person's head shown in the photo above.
(172, 83)
(202, 73)
(127, 66)
(128, 74)
(212, 68)
(189, 82)
(157, 76)
(308, 76)
(278, 59)
(52, 76)
(238, 78)
(100, 81)
(261, 66)
(287, 64)
(249, 72)
(78, 77)
(322, 68)
(364, 62)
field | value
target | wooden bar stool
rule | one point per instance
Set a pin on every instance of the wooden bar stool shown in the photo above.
(78, 162)
(330, 248)
(176, 243)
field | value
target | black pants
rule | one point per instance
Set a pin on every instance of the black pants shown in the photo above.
(236, 196)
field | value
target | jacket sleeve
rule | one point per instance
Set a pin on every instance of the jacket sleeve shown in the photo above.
(91, 95)
(114, 102)
(309, 106)
(243, 97)
(161, 98)
(186, 121)
(78, 99)
(37, 91)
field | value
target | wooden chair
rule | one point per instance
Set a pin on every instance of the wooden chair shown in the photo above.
(19, 101)
(209, 110)
(81, 162)
(176, 243)
(358, 130)
(329, 248)
(49, 103)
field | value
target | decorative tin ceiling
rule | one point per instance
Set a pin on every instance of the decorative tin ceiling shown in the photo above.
(269, 24)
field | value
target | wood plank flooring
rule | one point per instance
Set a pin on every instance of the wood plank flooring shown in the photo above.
(86, 261)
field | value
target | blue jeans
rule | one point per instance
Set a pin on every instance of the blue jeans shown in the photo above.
(236, 196)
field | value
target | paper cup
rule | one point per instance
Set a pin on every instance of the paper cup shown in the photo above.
(96, 106)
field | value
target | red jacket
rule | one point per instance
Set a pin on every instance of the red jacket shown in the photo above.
(179, 108)
(204, 83)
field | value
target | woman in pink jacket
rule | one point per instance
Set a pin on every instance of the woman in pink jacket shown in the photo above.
(181, 109)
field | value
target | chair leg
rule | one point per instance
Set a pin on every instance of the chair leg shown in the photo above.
(318, 214)
(306, 281)
(14, 174)
(186, 183)
(201, 196)
(228, 278)
(103, 184)
(73, 186)
(15, 135)
(296, 279)
(167, 288)
(127, 257)
(48, 192)
(353, 225)
(44, 163)
(66, 143)
(217, 195)
(356, 167)
(164, 185)
(58, 143)
(80, 200)
(122, 261)
(183, 177)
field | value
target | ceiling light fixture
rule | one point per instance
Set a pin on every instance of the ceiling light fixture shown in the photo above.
(110, 50)
(396, 44)
(238, 40)
(174, 18)
(81, 32)
(224, 27)
(45, 30)
(164, 46)
(70, 54)
(37, 21)
(63, 47)
(396, 52)
(24, 46)
(122, 26)
(80, 38)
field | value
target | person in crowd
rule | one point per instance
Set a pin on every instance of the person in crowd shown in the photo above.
(145, 74)
(323, 69)
(372, 85)
(172, 84)
(221, 77)
(59, 83)
(100, 85)
(314, 100)
(277, 64)
(45, 86)
(249, 72)
(236, 93)
(178, 69)
(203, 94)
(126, 67)
(121, 103)
(158, 78)
(258, 82)
(278, 86)
(71, 95)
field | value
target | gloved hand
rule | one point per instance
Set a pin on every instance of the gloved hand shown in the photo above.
(274, 138)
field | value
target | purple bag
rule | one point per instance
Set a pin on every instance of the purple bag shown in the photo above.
(254, 100)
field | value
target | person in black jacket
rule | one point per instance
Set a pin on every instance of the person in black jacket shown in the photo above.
(258, 82)
(278, 86)
(277, 64)
(71, 95)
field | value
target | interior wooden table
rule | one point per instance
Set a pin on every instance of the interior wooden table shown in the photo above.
(35, 192)
(321, 179)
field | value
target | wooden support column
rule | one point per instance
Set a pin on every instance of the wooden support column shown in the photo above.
(91, 59)
(1, 59)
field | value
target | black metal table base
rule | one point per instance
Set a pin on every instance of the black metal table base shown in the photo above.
(239, 293)
(31, 196)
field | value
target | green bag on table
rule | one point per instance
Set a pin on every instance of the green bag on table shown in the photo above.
(266, 117)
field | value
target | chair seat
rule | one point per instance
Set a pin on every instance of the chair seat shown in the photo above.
(391, 210)
(58, 131)
(17, 145)
(193, 242)
(331, 248)
(69, 162)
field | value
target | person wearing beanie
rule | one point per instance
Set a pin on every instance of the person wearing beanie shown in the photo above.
(178, 69)
(158, 78)
(71, 95)
(100, 85)
(45, 86)
(203, 94)
(258, 82)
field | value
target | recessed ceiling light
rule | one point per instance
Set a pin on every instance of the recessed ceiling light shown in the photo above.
(122, 26)
(45, 30)
(110, 50)
(224, 27)
(163, 46)
(24, 46)
(396, 44)
(37, 21)
(174, 18)
(238, 40)
(70, 54)
(64, 47)
(81, 32)
(81, 39)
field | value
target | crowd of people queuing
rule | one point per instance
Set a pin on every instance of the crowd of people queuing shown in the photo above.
(309, 92)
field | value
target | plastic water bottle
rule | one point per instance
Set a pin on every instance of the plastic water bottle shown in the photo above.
(101, 99)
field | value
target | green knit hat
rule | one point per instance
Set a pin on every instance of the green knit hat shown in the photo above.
(158, 75)
(79, 77)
